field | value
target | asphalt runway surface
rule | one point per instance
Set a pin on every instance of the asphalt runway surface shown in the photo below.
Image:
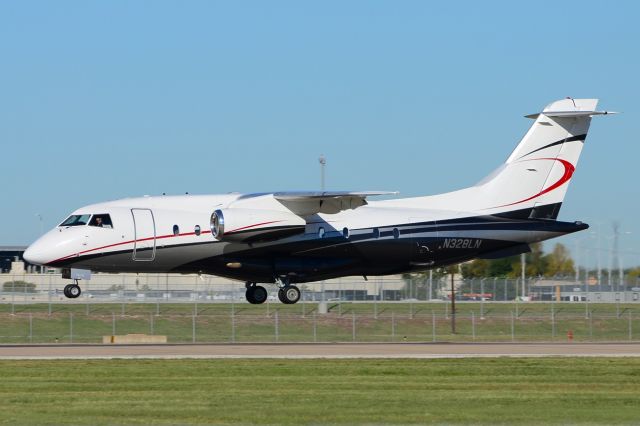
(320, 351)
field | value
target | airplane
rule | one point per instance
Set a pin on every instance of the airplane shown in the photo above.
(288, 238)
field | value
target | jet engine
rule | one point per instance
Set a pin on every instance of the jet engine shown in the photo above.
(252, 225)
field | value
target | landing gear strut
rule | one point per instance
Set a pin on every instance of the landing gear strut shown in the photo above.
(72, 291)
(255, 294)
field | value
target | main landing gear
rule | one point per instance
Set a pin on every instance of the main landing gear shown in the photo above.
(287, 293)
(256, 294)
(72, 291)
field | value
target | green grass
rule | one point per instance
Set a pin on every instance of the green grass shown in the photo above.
(404, 391)
(521, 310)
(386, 322)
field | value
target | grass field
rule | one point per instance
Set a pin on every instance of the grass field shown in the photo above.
(340, 308)
(462, 391)
(345, 322)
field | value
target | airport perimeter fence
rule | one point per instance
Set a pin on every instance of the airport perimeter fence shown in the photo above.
(177, 288)
(206, 309)
(415, 323)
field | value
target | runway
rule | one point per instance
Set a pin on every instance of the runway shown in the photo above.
(320, 351)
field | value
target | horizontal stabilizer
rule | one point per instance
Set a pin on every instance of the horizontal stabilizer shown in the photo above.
(567, 114)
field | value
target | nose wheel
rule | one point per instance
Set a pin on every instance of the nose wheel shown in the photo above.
(72, 291)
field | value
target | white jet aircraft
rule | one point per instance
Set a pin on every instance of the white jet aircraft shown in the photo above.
(297, 237)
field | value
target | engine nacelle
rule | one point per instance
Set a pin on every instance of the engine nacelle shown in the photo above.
(251, 225)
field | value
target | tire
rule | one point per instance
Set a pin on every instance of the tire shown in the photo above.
(289, 294)
(249, 295)
(260, 294)
(66, 291)
(74, 291)
(282, 297)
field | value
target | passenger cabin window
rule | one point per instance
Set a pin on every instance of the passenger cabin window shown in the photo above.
(176, 230)
(197, 230)
(101, 221)
(76, 220)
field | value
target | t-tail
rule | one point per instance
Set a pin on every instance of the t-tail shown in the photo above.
(536, 175)
(533, 181)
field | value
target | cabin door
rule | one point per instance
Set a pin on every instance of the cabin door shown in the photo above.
(144, 225)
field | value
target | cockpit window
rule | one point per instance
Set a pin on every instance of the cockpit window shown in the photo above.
(101, 221)
(76, 220)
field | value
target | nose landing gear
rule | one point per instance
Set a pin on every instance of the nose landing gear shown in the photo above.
(72, 291)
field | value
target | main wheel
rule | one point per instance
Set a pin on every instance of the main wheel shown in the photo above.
(289, 294)
(72, 291)
(260, 294)
(256, 294)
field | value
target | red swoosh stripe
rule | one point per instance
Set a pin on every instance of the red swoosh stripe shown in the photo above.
(128, 242)
(157, 238)
(568, 172)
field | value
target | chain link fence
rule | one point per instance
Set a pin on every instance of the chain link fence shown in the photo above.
(349, 326)
(206, 309)
(152, 288)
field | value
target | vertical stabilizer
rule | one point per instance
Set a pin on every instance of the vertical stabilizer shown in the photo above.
(536, 175)
(533, 181)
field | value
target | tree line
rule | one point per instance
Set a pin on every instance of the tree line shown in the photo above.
(556, 263)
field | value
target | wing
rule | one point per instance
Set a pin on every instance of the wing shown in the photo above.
(330, 202)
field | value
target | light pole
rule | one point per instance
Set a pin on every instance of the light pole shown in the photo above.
(453, 301)
(577, 279)
(323, 161)
(614, 257)
(494, 297)
(39, 216)
(523, 262)
(482, 298)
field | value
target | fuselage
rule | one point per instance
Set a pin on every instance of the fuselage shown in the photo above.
(173, 234)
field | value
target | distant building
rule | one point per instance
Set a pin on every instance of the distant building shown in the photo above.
(10, 254)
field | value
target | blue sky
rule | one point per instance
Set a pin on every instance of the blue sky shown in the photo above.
(104, 100)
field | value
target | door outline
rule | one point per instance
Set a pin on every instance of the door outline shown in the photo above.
(137, 246)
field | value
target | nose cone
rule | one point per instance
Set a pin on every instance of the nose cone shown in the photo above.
(36, 254)
(56, 245)
(47, 248)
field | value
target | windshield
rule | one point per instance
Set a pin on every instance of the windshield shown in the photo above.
(76, 220)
